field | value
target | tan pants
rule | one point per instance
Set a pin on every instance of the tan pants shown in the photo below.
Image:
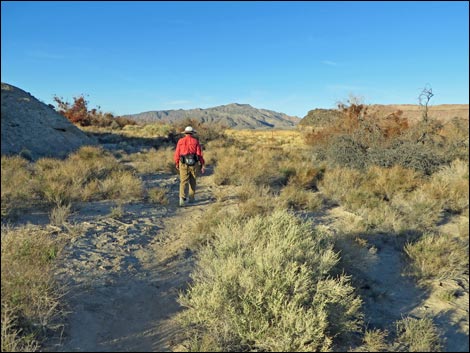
(188, 177)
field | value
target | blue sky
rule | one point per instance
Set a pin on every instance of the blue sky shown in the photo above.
(129, 56)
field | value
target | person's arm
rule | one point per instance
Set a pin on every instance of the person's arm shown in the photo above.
(201, 158)
(176, 156)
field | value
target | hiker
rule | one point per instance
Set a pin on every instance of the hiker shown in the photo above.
(188, 158)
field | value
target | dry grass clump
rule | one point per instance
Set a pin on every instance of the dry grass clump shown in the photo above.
(30, 298)
(439, 256)
(158, 195)
(89, 174)
(153, 160)
(374, 341)
(121, 185)
(62, 182)
(389, 199)
(293, 197)
(157, 129)
(58, 216)
(264, 284)
(238, 167)
(450, 185)
(418, 335)
(15, 183)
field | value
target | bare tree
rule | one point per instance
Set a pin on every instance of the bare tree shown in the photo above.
(424, 98)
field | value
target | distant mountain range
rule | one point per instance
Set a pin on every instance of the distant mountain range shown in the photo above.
(235, 116)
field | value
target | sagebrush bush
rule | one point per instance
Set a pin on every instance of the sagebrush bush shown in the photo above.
(263, 284)
(374, 341)
(418, 335)
(438, 256)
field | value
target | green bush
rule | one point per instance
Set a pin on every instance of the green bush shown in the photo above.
(264, 284)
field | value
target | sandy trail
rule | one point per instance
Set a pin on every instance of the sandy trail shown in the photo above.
(124, 276)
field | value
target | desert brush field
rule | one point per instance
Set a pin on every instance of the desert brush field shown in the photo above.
(352, 237)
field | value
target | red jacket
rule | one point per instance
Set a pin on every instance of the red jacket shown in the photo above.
(188, 145)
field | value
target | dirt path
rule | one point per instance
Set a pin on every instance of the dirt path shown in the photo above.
(379, 266)
(124, 275)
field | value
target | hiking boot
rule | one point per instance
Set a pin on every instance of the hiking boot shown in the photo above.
(182, 200)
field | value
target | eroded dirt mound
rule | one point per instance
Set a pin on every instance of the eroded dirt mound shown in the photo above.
(34, 129)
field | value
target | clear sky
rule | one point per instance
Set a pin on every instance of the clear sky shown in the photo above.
(129, 56)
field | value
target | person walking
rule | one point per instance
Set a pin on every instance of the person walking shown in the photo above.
(188, 158)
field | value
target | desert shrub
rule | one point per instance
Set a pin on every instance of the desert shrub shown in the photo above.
(30, 297)
(417, 210)
(78, 113)
(250, 190)
(293, 197)
(264, 284)
(13, 337)
(359, 140)
(235, 167)
(385, 183)
(205, 132)
(388, 199)
(89, 174)
(450, 185)
(438, 256)
(338, 183)
(58, 216)
(418, 335)
(409, 154)
(153, 160)
(345, 151)
(158, 195)
(149, 130)
(117, 211)
(16, 184)
(374, 341)
(456, 133)
(302, 174)
(228, 170)
(121, 185)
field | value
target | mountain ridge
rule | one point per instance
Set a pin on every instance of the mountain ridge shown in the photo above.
(232, 115)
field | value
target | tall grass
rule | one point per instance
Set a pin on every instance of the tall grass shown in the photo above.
(16, 183)
(30, 297)
(88, 174)
(264, 284)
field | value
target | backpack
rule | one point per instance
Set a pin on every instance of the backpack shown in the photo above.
(189, 159)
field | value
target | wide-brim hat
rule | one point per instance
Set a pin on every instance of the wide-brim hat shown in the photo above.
(189, 130)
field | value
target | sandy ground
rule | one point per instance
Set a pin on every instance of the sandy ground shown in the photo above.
(124, 276)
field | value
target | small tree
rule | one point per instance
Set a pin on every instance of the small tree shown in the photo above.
(424, 98)
(76, 113)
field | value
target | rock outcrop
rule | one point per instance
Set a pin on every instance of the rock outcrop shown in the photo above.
(34, 129)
